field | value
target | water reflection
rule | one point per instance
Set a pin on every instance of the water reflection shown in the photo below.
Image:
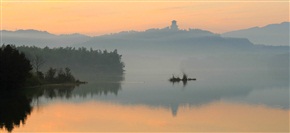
(53, 91)
(104, 86)
(163, 106)
(98, 88)
(94, 116)
(71, 91)
(15, 108)
(244, 88)
(17, 105)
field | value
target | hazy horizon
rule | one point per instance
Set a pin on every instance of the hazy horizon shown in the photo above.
(116, 32)
(98, 18)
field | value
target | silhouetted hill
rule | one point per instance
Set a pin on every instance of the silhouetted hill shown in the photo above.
(41, 38)
(160, 38)
(272, 34)
(132, 39)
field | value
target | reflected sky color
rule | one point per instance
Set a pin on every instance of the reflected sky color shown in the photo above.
(101, 116)
(240, 101)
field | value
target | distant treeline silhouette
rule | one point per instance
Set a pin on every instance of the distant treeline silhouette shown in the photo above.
(81, 60)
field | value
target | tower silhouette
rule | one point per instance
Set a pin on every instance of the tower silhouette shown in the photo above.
(174, 25)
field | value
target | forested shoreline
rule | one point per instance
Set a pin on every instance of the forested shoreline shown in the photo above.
(26, 66)
(80, 60)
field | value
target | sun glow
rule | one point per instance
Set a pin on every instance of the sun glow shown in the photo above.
(95, 18)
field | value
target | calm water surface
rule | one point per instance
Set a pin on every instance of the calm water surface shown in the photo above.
(236, 102)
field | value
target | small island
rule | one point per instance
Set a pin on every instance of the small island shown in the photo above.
(184, 79)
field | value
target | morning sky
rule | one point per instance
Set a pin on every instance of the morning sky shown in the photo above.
(99, 17)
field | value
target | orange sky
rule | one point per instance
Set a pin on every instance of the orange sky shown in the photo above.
(96, 18)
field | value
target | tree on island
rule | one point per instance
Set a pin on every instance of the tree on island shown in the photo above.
(65, 76)
(54, 75)
(50, 75)
(14, 68)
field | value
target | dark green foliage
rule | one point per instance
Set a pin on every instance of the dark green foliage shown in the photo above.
(40, 75)
(33, 80)
(14, 68)
(68, 76)
(59, 76)
(50, 75)
(65, 76)
(80, 60)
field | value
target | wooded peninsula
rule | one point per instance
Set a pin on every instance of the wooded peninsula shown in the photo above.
(26, 66)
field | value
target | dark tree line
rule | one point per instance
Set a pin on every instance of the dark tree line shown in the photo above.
(16, 65)
(54, 75)
(81, 60)
(14, 68)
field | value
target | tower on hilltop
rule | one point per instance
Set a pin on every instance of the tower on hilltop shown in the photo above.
(174, 25)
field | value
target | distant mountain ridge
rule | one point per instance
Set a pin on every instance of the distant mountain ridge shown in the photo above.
(162, 39)
(272, 34)
(32, 37)
(165, 35)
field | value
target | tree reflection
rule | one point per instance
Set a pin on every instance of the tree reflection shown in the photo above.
(69, 91)
(51, 91)
(15, 107)
(102, 87)
(184, 82)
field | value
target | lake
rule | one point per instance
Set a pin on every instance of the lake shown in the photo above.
(145, 101)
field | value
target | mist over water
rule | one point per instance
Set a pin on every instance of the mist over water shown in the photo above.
(227, 80)
(240, 82)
